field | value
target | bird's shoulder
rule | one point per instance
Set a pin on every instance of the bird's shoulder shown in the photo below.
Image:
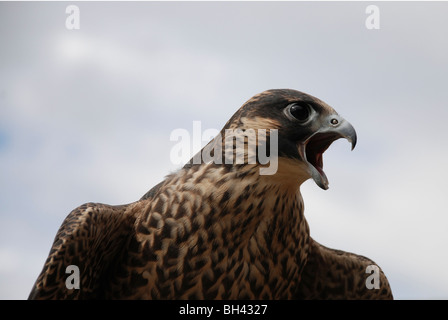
(337, 274)
(89, 238)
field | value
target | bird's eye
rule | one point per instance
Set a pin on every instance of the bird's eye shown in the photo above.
(300, 111)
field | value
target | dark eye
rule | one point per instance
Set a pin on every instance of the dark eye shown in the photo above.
(300, 111)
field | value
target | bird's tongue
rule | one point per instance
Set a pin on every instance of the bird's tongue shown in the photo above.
(313, 152)
(317, 172)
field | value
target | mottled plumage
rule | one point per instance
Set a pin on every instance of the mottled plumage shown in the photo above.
(218, 231)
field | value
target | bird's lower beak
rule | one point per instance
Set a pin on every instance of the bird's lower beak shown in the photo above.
(313, 148)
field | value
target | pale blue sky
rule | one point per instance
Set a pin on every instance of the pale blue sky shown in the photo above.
(86, 115)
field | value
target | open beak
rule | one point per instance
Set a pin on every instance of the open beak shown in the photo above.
(313, 148)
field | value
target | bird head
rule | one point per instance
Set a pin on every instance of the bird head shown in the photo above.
(306, 128)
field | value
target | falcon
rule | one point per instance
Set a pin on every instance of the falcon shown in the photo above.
(220, 229)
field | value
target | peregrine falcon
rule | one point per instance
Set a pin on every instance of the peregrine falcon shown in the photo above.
(220, 229)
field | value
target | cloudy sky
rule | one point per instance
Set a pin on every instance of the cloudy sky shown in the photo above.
(86, 115)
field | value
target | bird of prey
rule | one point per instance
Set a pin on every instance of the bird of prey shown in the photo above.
(220, 229)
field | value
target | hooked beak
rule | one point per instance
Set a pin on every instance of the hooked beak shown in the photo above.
(313, 148)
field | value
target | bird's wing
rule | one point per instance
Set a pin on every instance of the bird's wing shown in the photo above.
(336, 274)
(90, 238)
(152, 192)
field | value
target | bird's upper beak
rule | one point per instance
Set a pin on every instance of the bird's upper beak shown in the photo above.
(333, 128)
